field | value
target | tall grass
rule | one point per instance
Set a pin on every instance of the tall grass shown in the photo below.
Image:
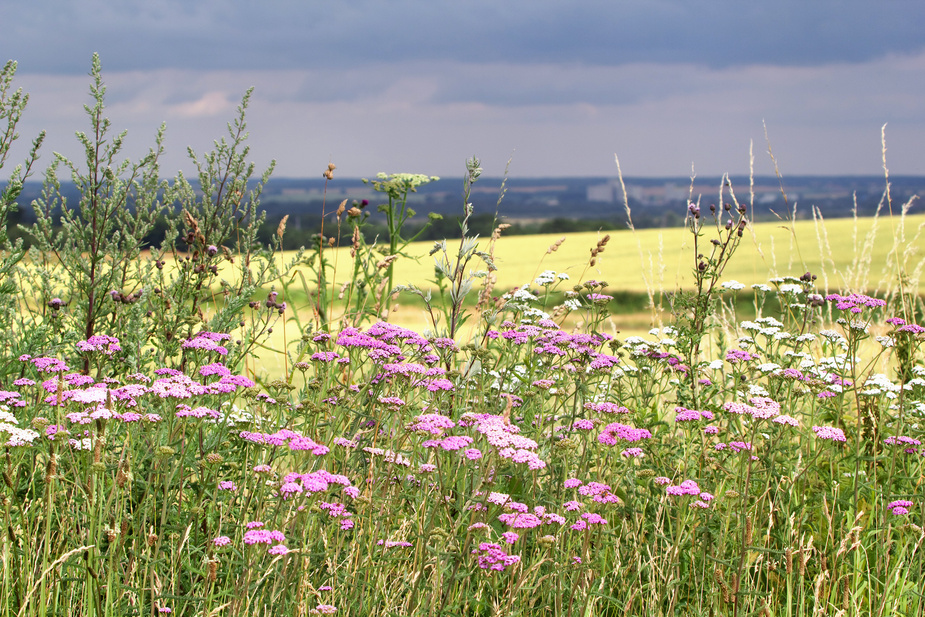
(518, 466)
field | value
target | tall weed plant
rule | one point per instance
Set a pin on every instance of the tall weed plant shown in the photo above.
(519, 466)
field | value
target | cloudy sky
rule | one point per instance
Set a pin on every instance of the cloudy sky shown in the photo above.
(557, 86)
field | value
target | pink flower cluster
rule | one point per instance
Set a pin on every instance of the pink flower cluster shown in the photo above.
(492, 557)
(899, 507)
(432, 423)
(606, 407)
(734, 356)
(616, 431)
(683, 414)
(207, 341)
(315, 482)
(761, 408)
(101, 343)
(286, 437)
(829, 432)
(854, 303)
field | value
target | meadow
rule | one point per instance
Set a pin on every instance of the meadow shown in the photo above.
(507, 455)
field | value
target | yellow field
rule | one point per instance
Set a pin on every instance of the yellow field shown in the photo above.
(843, 253)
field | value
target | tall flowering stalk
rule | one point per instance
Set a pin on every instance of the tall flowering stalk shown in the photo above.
(692, 310)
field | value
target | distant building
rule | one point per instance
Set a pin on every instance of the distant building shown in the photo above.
(606, 193)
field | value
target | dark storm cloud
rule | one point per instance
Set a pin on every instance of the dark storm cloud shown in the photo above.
(58, 36)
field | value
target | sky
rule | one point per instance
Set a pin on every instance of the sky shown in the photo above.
(541, 87)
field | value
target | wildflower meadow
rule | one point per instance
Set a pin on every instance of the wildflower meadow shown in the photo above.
(513, 454)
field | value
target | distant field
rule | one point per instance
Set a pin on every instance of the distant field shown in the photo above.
(843, 253)
(664, 258)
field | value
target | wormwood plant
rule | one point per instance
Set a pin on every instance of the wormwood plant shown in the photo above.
(12, 106)
(86, 255)
(91, 271)
(218, 222)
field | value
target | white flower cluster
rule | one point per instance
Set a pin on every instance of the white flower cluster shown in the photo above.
(878, 384)
(17, 436)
